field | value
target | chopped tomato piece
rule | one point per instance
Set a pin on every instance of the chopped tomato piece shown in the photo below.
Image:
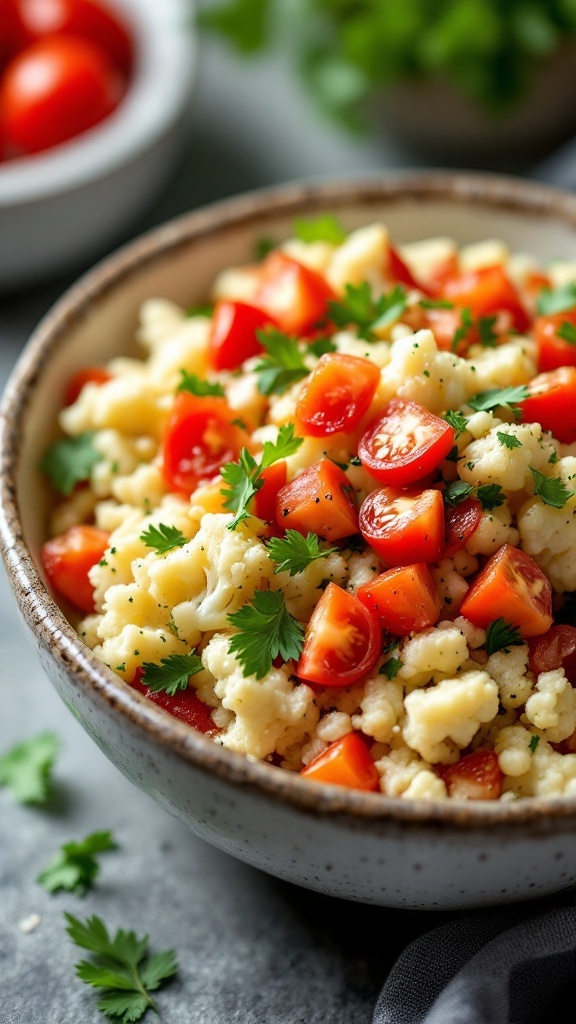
(336, 394)
(404, 599)
(405, 443)
(485, 292)
(553, 350)
(461, 521)
(68, 558)
(513, 587)
(274, 478)
(88, 375)
(342, 642)
(319, 500)
(233, 333)
(399, 271)
(404, 527)
(476, 776)
(552, 403)
(346, 762)
(442, 272)
(295, 296)
(535, 281)
(185, 705)
(554, 649)
(200, 437)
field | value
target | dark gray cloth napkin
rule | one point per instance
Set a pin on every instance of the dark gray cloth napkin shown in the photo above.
(487, 969)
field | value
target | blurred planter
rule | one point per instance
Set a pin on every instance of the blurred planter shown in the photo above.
(435, 119)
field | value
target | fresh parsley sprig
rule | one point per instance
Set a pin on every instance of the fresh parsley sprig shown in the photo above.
(490, 496)
(26, 768)
(323, 228)
(163, 538)
(550, 490)
(501, 635)
(466, 323)
(493, 398)
(120, 967)
(294, 553)
(456, 491)
(265, 630)
(172, 674)
(557, 300)
(75, 866)
(359, 308)
(69, 462)
(508, 440)
(567, 331)
(244, 477)
(282, 363)
(201, 388)
(457, 420)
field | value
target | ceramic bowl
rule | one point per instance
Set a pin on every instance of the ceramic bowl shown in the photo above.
(62, 208)
(359, 846)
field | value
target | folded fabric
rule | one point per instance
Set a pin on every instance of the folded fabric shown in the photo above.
(485, 969)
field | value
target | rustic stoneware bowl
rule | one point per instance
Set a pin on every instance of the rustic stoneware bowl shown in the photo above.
(360, 846)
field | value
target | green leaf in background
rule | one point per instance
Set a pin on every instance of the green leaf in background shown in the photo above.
(25, 768)
(75, 866)
(70, 461)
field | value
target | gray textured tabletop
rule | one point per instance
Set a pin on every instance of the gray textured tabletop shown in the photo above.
(250, 948)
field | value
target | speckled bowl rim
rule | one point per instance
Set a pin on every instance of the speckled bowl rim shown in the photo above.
(56, 634)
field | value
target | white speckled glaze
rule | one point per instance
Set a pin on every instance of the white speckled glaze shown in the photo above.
(358, 846)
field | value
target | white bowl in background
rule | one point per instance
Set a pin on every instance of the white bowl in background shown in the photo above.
(61, 208)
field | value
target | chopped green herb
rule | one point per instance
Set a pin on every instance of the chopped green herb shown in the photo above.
(567, 332)
(551, 491)
(75, 867)
(281, 365)
(266, 630)
(490, 496)
(196, 386)
(461, 331)
(321, 347)
(508, 440)
(501, 635)
(294, 553)
(163, 538)
(355, 461)
(360, 309)
(172, 674)
(488, 336)
(324, 228)
(25, 769)
(264, 247)
(457, 421)
(205, 310)
(70, 461)
(553, 458)
(456, 491)
(436, 304)
(557, 300)
(391, 667)
(508, 398)
(535, 740)
(244, 478)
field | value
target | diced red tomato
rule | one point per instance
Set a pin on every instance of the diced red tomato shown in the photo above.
(320, 499)
(274, 478)
(185, 705)
(336, 395)
(342, 642)
(535, 282)
(461, 521)
(554, 649)
(513, 587)
(200, 437)
(554, 351)
(78, 380)
(404, 599)
(552, 403)
(295, 296)
(67, 560)
(404, 527)
(398, 270)
(94, 20)
(442, 272)
(476, 776)
(487, 291)
(346, 762)
(233, 333)
(405, 443)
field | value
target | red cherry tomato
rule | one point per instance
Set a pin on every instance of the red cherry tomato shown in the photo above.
(405, 443)
(404, 599)
(336, 394)
(274, 478)
(14, 35)
(184, 705)
(94, 20)
(346, 762)
(552, 403)
(404, 527)
(233, 333)
(513, 587)
(200, 437)
(67, 560)
(342, 642)
(553, 350)
(295, 296)
(476, 776)
(53, 90)
(319, 500)
(485, 292)
(554, 649)
(461, 521)
(399, 271)
(87, 375)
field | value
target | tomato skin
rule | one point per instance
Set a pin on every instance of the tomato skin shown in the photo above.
(487, 291)
(404, 599)
(274, 478)
(200, 437)
(342, 642)
(14, 35)
(511, 586)
(405, 443)
(184, 705)
(552, 403)
(53, 91)
(554, 649)
(67, 560)
(233, 333)
(461, 521)
(319, 500)
(295, 296)
(93, 20)
(399, 271)
(78, 380)
(346, 762)
(554, 351)
(336, 395)
(475, 776)
(404, 527)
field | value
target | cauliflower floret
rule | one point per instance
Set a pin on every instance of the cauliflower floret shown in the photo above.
(270, 714)
(553, 708)
(363, 567)
(381, 708)
(243, 396)
(436, 652)
(400, 768)
(360, 258)
(509, 669)
(489, 461)
(350, 345)
(144, 488)
(131, 404)
(134, 645)
(443, 719)
(315, 255)
(185, 349)
(488, 253)
(302, 591)
(506, 365)
(78, 508)
(333, 726)
(428, 255)
(451, 587)
(159, 319)
(426, 785)
(549, 534)
(513, 745)
(532, 767)
(475, 636)
(418, 371)
(494, 529)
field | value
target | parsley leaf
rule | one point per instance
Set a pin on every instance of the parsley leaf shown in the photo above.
(120, 967)
(163, 538)
(461, 331)
(567, 332)
(172, 674)
(321, 347)
(196, 386)
(435, 304)
(360, 309)
(488, 336)
(534, 741)
(75, 867)
(490, 496)
(264, 246)
(557, 300)
(25, 768)
(282, 364)
(508, 440)
(500, 635)
(457, 421)
(551, 491)
(456, 491)
(205, 310)
(266, 630)
(244, 478)
(509, 397)
(295, 552)
(324, 228)
(391, 667)
(70, 461)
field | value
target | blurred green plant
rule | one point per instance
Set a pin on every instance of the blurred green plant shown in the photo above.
(348, 50)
